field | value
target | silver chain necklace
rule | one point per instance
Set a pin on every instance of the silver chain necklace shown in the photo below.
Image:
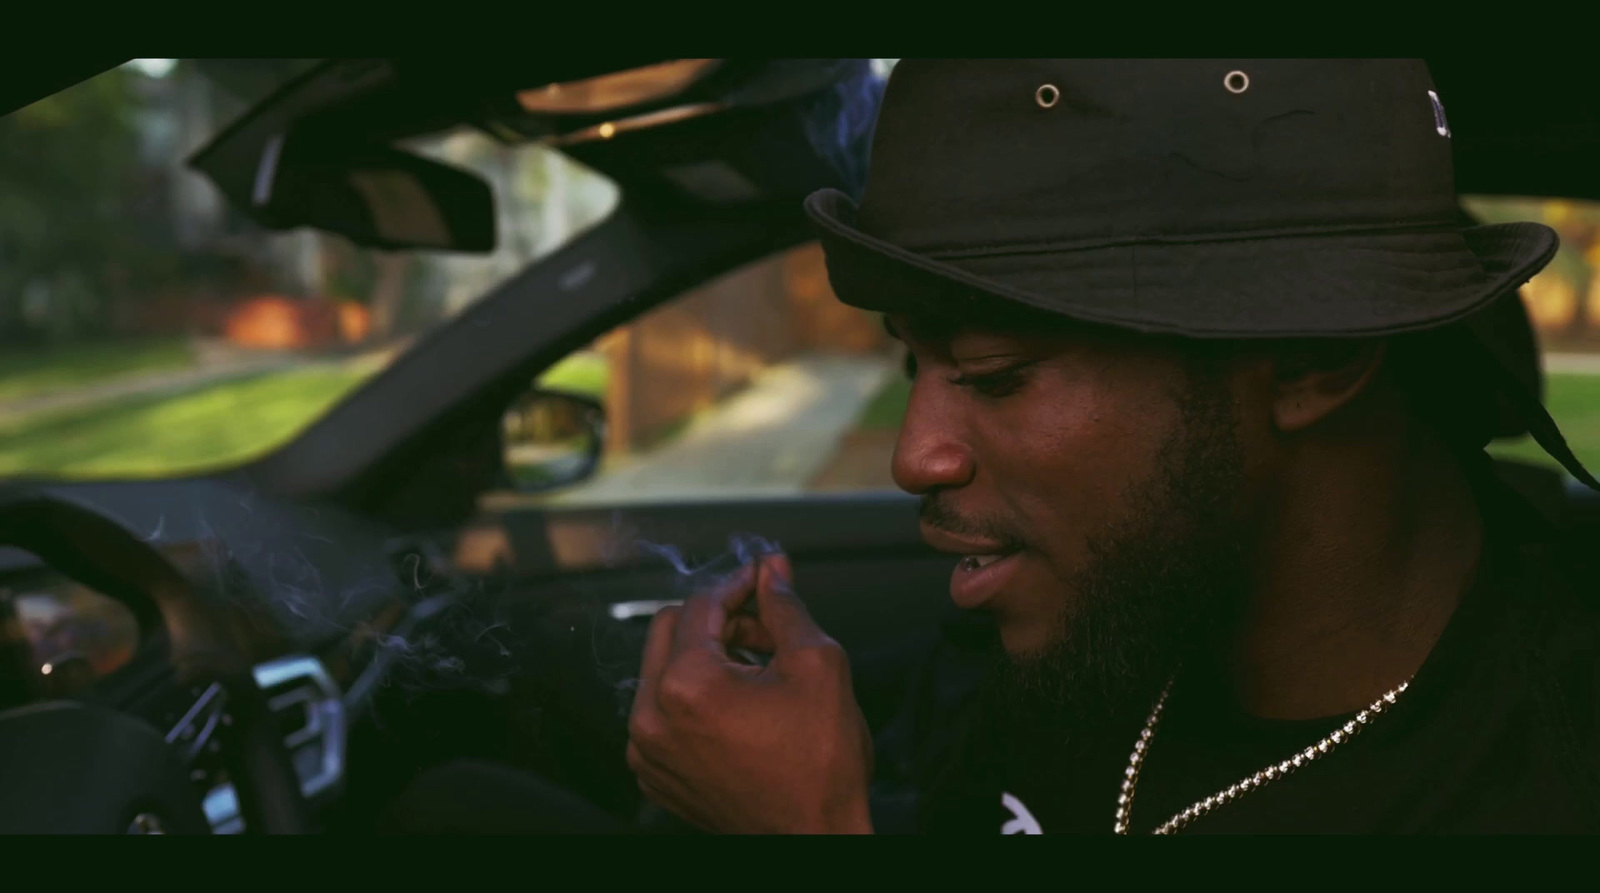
(1228, 795)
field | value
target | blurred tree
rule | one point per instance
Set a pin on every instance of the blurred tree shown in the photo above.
(70, 178)
(1592, 257)
(349, 273)
(389, 293)
(1578, 225)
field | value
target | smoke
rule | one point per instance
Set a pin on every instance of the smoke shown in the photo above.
(743, 549)
(693, 576)
(319, 586)
(293, 582)
(839, 123)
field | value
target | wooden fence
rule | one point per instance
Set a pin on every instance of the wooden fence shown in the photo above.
(687, 354)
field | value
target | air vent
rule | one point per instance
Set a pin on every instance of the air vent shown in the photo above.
(222, 810)
(311, 710)
(194, 735)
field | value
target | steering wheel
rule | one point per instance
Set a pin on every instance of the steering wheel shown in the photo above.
(69, 767)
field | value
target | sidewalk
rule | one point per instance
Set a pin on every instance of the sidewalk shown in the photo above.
(1572, 363)
(770, 439)
(148, 384)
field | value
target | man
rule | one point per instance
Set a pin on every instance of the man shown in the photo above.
(1201, 383)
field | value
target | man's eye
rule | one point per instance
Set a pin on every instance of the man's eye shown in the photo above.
(995, 384)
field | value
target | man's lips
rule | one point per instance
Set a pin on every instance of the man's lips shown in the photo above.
(985, 567)
(945, 541)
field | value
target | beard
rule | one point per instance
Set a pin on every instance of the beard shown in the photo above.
(1163, 582)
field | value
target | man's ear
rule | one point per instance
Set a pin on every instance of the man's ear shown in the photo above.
(1312, 381)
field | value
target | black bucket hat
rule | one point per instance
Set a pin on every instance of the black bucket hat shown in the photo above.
(1199, 198)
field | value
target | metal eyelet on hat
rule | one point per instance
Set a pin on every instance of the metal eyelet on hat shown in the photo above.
(1047, 95)
(1236, 82)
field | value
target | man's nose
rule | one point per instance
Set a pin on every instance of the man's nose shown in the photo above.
(930, 453)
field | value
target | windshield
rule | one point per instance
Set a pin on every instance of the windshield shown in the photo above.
(147, 329)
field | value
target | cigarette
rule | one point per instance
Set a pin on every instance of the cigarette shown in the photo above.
(751, 605)
(745, 655)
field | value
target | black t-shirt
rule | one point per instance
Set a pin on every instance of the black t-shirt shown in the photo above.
(1496, 734)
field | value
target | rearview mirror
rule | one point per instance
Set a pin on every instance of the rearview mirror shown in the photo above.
(376, 196)
(552, 439)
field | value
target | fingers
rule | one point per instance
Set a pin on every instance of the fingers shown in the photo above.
(664, 789)
(705, 614)
(657, 648)
(744, 631)
(650, 787)
(776, 568)
(782, 613)
(645, 763)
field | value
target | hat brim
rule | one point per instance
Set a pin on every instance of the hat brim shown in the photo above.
(1304, 285)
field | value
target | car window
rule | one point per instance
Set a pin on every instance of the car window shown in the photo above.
(757, 384)
(147, 329)
(1563, 304)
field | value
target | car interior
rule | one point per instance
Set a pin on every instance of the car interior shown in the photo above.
(313, 630)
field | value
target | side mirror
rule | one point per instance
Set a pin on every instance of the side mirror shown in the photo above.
(552, 439)
(374, 195)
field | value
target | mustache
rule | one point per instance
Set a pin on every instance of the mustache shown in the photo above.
(937, 511)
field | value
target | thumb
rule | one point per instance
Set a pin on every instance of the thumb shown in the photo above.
(783, 614)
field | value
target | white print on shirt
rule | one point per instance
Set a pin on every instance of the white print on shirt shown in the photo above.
(1022, 822)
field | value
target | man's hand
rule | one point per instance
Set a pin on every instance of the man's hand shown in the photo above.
(737, 748)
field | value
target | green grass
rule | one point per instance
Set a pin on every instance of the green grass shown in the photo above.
(584, 373)
(213, 427)
(216, 426)
(32, 371)
(1574, 402)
